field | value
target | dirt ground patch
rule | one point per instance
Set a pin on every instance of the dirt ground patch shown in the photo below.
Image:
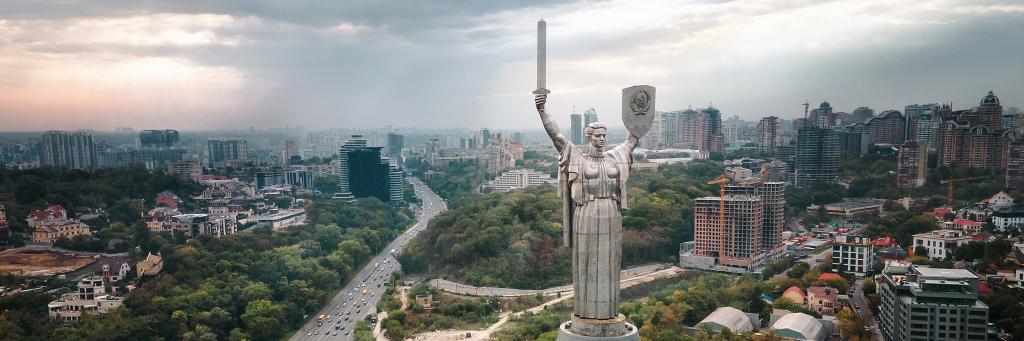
(40, 263)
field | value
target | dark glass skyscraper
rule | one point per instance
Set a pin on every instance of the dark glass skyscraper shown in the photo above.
(817, 157)
(368, 174)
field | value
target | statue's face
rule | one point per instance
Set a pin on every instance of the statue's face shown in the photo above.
(597, 139)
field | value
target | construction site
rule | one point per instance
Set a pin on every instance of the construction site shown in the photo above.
(40, 263)
(740, 230)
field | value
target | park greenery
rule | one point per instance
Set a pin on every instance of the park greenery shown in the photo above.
(515, 239)
(446, 312)
(256, 285)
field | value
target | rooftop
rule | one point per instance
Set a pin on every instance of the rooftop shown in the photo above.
(805, 325)
(855, 203)
(943, 234)
(728, 317)
(944, 273)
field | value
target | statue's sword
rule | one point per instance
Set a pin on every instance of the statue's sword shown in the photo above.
(542, 31)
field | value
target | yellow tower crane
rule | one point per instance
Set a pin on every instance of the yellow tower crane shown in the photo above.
(721, 181)
(949, 186)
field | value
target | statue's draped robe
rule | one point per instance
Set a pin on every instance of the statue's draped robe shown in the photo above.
(592, 225)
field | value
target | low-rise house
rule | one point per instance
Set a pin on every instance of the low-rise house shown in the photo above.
(796, 295)
(50, 230)
(999, 201)
(966, 225)
(828, 276)
(111, 269)
(168, 199)
(151, 266)
(52, 212)
(157, 217)
(1014, 257)
(823, 300)
(976, 212)
(939, 243)
(91, 298)
(941, 213)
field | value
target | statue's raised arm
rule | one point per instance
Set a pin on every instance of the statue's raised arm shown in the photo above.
(549, 124)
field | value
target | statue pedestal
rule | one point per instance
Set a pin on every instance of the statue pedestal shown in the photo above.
(583, 329)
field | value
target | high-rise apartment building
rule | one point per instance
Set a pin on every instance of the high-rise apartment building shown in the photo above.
(711, 137)
(396, 142)
(888, 128)
(501, 155)
(1015, 165)
(915, 113)
(974, 138)
(186, 169)
(733, 236)
(655, 138)
(353, 143)
(227, 151)
(851, 143)
(817, 159)
(589, 116)
(576, 129)
(769, 134)
(924, 303)
(862, 114)
(288, 151)
(485, 137)
(396, 183)
(822, 116)
(156, 139)
(773, 207)
(912, 165)
(689, 131)
(68, 149)
(670, 127)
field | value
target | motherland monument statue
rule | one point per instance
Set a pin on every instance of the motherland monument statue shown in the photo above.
(592, 185)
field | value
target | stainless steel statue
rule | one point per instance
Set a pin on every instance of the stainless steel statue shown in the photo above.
(592, 183)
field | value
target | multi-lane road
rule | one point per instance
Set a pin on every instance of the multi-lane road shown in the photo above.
(360, 296)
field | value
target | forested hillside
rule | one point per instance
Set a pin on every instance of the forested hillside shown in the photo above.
(514, 239)
(256, 285)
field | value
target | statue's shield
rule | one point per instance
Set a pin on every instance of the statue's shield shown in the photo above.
(638, 109)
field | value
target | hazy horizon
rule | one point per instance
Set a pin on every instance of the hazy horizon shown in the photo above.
(197, 66)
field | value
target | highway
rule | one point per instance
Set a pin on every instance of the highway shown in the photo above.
(360, 296)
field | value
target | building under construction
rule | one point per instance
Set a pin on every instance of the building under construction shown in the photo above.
(740, 230)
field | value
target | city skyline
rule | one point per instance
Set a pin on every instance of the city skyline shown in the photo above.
(192, 66)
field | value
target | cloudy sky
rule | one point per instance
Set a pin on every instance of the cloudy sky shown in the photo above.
(190, 65)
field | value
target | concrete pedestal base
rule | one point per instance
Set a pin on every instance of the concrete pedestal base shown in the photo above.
(581, 329)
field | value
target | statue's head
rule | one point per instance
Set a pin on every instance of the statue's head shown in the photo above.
(597, 133)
